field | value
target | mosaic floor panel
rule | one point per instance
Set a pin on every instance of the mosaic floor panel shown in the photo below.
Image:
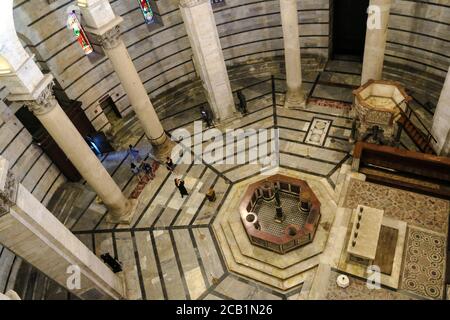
(403, 205)
(318, 131)
(266, 214)
(424, 264)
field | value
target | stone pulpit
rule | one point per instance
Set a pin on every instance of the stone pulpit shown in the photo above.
(377, 107)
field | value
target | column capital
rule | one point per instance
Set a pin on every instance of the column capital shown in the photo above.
(44, 103)
(191, 3)
(111, 38)
(8, 187)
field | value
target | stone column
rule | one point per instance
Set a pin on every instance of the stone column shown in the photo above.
(67, 137)
(289, 20)
(376, 34)
(101, 21)
(201, 28)
(33, 233)
(26, 83)
(441, 120)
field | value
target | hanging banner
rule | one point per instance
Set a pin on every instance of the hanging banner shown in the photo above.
(147, 11)
(74, 24)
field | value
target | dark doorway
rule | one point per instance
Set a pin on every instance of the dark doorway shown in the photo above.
(46, 142)
(349, 27)
(110, 109)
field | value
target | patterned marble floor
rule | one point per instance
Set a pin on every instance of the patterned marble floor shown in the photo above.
(170, 251)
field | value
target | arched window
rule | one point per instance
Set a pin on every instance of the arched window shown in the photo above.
(147, 11)
(150, 12)
(78, 32)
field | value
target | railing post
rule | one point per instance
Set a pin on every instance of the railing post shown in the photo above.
(274, 97)
(398, 135)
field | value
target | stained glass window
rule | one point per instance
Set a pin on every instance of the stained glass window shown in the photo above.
(74, 24)
(147, 11)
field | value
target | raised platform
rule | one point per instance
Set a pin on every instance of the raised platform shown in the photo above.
(282, 271)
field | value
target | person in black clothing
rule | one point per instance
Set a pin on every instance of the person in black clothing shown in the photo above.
(169, 164)
(206, 117)
(180, 185)
(242, 102)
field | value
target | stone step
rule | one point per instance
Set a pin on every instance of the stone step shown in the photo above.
(6, 263)
(248, 250)
(13, 273)
(256, 275)
(265, 266)
(22, 279)
(69, 201)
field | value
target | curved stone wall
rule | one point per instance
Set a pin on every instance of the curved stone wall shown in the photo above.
(249, 30)
(162, 54)
(418, 44)
(418, 39)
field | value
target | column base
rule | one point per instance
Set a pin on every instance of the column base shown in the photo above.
(162, 147)
(295, 99)
(225, 122)
(126, 217)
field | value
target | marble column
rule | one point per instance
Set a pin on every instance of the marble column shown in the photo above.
(441, 120)
(26, 83)
(209, 62)
(101, 21)
(33, 233)
(289, 20)
(67, 137)
(375, 45)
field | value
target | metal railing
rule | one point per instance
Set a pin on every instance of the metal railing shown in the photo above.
(408, 113)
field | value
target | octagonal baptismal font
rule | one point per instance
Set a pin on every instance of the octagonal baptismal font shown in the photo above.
(280, 213)
(274, 229)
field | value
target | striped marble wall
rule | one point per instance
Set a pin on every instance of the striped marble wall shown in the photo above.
(162, 54)
(418, 45)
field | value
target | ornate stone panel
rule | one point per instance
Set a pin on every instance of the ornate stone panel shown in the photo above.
(424, 264)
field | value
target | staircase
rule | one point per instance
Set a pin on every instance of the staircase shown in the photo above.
(420, 140)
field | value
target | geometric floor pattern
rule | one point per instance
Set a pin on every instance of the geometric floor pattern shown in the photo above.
(400, 204)
(424, 264)
(293, 215)
(170, 250)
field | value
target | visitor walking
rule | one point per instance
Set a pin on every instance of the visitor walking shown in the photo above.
(180, 185)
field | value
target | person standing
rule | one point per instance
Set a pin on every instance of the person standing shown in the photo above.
(211, 195)
(134, 168)
(134, 153)
(206, 117)
(242, 102)
(169, 164)
(180, 185)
